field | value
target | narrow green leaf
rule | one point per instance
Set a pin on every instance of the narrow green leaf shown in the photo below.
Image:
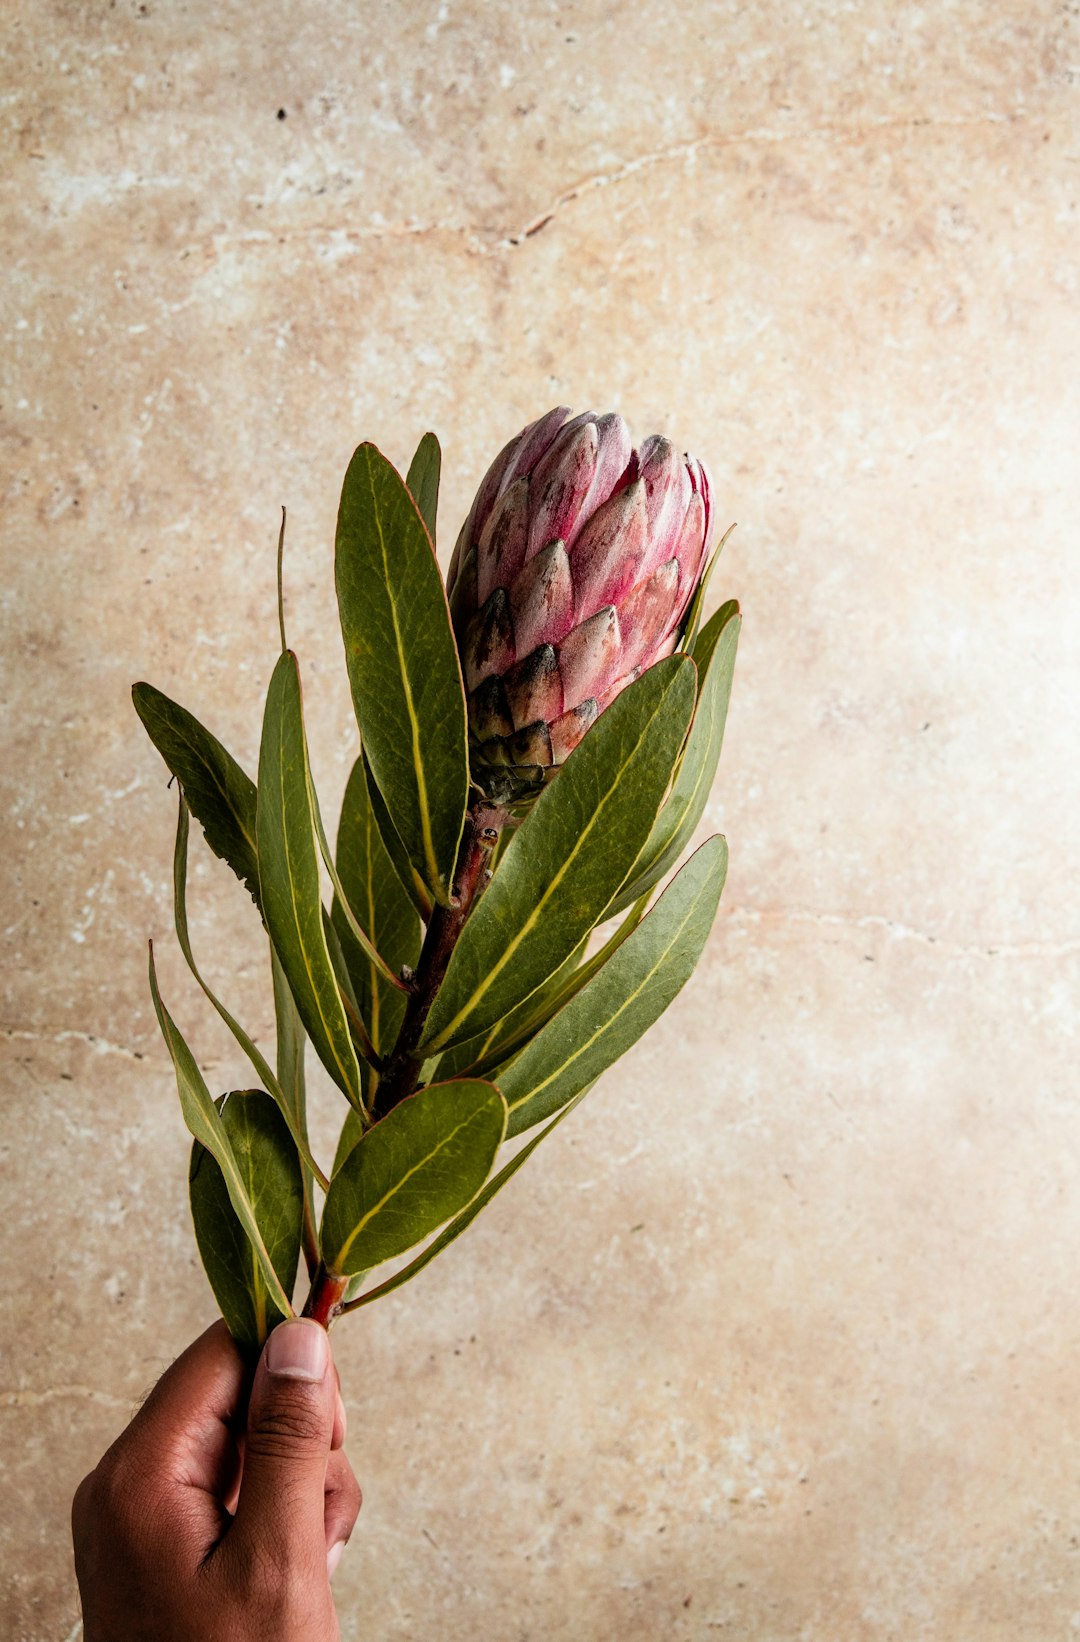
(419, 1165)
(559, 996)
(293, 1120)
(351, 1130)
(291, 1044)
(569, 856)
(288, 854)
(467, 1215)
(407, 875)
(422, 480)
(204, 1122)
(267, 1162)
(714, 656)
(281, 582)
(220, 795)
(692, 619)
(346, 916)
(403, 665)
(489, 1048)
(623, 999)
(508, 1036)
(368, 879)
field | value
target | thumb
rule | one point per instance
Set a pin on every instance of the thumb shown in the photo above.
(290, 1425)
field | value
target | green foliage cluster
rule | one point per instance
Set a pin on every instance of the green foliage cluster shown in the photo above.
(522, 1017)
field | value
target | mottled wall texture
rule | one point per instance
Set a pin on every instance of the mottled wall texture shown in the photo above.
(777, 1338)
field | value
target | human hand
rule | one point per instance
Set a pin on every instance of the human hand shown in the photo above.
(187, 1531)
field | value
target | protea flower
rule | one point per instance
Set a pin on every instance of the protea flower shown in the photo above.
(571, 575)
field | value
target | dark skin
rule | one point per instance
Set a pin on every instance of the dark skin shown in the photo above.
(186, 1532)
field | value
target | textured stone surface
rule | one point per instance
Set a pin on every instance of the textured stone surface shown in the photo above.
(776, 1338)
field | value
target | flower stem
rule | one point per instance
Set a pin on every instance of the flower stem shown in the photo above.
(483, 824)
(325, 1297)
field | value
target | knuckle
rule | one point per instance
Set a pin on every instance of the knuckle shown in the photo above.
(278, 1431)
(352, 1495)
(82, 1502)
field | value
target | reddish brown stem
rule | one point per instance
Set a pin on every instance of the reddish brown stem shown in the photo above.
(483, 823)
(325, 1298)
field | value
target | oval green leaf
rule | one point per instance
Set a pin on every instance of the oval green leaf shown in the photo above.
(291, 1077)
(460, 1221)
(714, 656)
(383, 908)
(204, 1123)
(403, 665)
(294, 1117)
(288, 855)
(422, 480)
(407, 875)
(569, 856)
(417, 1167)
(270, 1169)
(221, 796)
(623, 999)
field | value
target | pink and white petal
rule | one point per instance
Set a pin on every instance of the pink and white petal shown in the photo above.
(666, 647)
(690, 548)
(500, 552)
(608, 554)
(667, 492)
(542, 600)
(534, 443)
(559, 486)
(613, 454)
(534, 688)
(591, 656)
(491, 484)
(462, 595)
(617, 686)
(702, 482)
(489, 641)
(569, 728)
(646, 614)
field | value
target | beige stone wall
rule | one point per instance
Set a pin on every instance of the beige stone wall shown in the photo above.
(777, 1338)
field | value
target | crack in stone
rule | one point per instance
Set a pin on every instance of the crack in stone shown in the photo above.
(905, 932)
(99, 1046)
(853, 131)
(478, 245)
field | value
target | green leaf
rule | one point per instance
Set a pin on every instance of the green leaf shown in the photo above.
(351, 1130)
(291, 1044)
(468, 1214)
(367, 877)
(267, 1162)
(407, 875)
(422, 480)
(293, 1119)
(220, 795)
(403, 665)
(714, 655)
(569, 856)
(692, 618)
(623, 999)
(490, 1047)
(508, 1036)
(419, 1165)
(288, 854)
(204, 1122)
